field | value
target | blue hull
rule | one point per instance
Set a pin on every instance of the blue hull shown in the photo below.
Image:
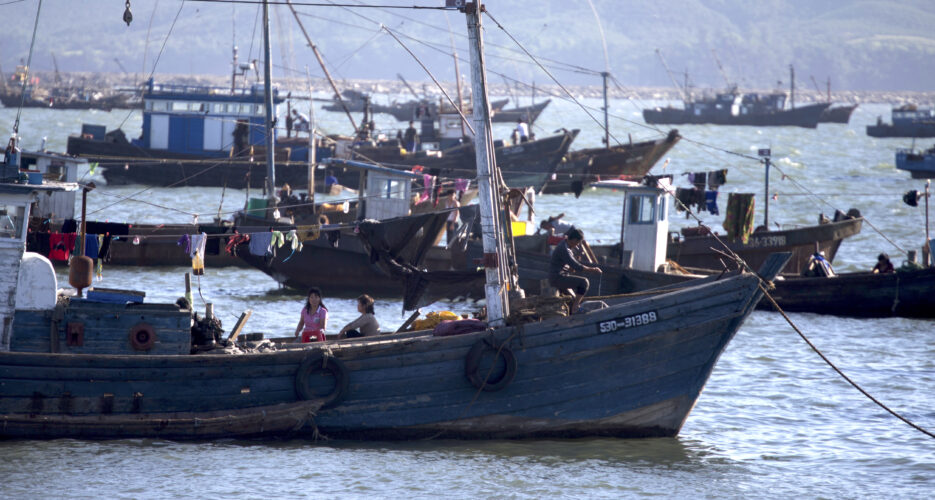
(920, 165)
(630, 370)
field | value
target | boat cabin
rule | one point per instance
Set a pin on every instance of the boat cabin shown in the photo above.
(906, 115)
(387, 192)
(16, 290)
(201, 120)
(53, 167)
(645, 223)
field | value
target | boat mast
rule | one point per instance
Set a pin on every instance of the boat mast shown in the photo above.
(791, 87)
(321, 62)
(604, 75)
(494, 261)
(268, 100)
(671, 76)
(454, 55)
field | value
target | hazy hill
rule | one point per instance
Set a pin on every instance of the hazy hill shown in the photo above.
(860, 45)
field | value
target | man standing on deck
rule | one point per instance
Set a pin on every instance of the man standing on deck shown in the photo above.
(562, 259)
(411, 138)
(522, 130)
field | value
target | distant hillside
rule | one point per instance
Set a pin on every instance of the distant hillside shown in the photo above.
(860, 45)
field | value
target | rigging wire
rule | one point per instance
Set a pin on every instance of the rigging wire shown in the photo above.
(32, 44)
(158, 56)
(330, 4)
(543, 68)
(457, 108)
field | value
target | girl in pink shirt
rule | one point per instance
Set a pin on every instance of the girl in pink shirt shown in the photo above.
(313, 318)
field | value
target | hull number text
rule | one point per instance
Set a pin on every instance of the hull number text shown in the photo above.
(627, 322)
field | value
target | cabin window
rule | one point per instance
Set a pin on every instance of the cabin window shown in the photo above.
(642, 209)
(217, 108)
(662, 209)
(11, 221)
(179, 106)
(394, 189)
(159, 105)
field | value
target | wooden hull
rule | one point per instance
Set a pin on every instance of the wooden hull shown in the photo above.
(275, 420)
(584, 166)
(696, 251)
(837, 114)
(528, 113)
(125, 163)
(908, 294)
(522, 165)
(594, 374)
(803, 116)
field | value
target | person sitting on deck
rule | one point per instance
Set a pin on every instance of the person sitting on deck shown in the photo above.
(554, 225)
(883, 264)
(313, 319)
(366, 324)
(818, 266)
(330, 179)
(910, 264)
(559, 264)
(299, 121)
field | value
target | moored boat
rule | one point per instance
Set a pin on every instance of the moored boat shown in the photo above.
(907, 121)
(919, 163)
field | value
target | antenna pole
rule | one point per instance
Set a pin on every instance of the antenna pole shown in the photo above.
(604, 75)
(268, 100)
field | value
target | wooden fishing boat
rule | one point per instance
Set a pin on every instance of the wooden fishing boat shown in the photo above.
(530, 163)
(634, 160)
(706, 252)
(634, 369)
(837, 114)
(907, 293)
(528, 114)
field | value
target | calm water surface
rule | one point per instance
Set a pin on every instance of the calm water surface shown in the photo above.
(774, 420)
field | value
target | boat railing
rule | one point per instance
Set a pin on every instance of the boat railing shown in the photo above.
(187, 89)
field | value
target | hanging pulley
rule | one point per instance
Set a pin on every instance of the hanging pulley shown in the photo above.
(127, 15)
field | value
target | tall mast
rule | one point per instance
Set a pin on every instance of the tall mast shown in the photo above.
(605, 74)
(321, 62)
(791, 87)
(669, 72)
(495, 263)
(268, 99)
(454, 55)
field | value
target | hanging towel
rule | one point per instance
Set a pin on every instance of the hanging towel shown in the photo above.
(186, 243)
(277, 240)
(260, 244)
(69, 226)
(738, 220)
(198, 242)
(699, 179)
(461, 184)
(294, 243)
(711, 202)
(717, 179)
(309, 233)
(61, 245)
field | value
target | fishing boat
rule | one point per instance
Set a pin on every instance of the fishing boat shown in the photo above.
(738, 108)
(907, 121)
(654, 354)
(413, 109)
(906, 293)
(837, 114)
(919, 163)
(194, 136)
(528, 114)
(530, 163)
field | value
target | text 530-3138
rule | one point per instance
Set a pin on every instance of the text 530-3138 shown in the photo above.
(627, 322)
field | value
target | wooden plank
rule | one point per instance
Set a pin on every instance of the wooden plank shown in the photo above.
(409, 320)
(239, 325)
